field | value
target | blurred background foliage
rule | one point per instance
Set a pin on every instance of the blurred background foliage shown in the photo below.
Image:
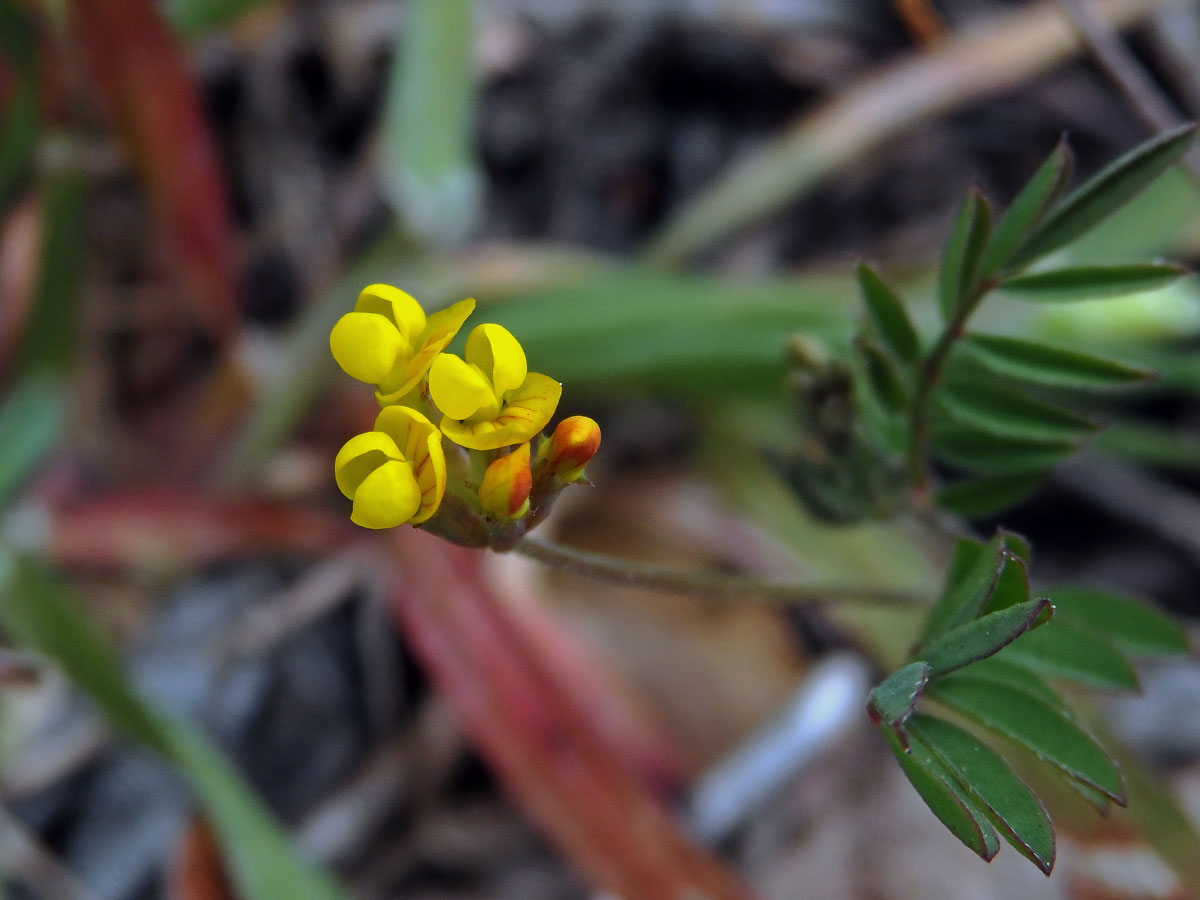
(655, 197)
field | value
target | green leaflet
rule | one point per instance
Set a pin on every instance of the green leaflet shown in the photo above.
(1075, 653)
(1052, 366)
(1007, 413)
(888, 317)
(1150, 443)
(944, 797)
(887, 382)
(968, 585)
(1091, 282)
(1001, 670)
(1034, 723)
(984, 636)
(987, 495)
(1104, 193)
(977, 451)
(1010, 805)
(1012, 583)
(892, 700)
(1027, 209)
(1132, 625)
(960, 258)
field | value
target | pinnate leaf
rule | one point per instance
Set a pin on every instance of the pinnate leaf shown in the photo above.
(1132, 625)
(888, 317)
(1010, 805)
(1091, 282)
(1104, 193)
(1032, 722)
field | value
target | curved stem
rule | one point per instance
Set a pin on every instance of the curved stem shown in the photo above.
(709, 585)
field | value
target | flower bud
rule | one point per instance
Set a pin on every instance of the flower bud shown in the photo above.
(573, 444)
(504, 491)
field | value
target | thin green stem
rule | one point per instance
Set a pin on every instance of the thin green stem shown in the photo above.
(930, 376)
(708, 585)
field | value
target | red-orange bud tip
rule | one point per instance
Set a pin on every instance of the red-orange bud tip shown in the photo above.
(504, 491)
(573, 444)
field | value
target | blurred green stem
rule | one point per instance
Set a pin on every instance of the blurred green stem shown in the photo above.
(706, 585)
(930, 374)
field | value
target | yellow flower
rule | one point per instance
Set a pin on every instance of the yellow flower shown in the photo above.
(573, 444)
(388, 341)
(395, 473)
(504, 491)
(491, 399)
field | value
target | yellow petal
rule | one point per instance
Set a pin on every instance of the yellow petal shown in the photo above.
(403, 311)
(388, 497)
(440, 329)
(499, 355)
(504, 490)
(421, 444)
(527, 412)
(430, 469)
(366, 345)
(361, 455)
(458, 389)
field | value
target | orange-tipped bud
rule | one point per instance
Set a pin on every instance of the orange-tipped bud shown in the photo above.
(571, 447)
(504, 491)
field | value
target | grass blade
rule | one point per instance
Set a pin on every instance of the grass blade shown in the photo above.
(430, 172)
(37, 610)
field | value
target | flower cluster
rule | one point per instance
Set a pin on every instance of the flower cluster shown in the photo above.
(484, 473)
